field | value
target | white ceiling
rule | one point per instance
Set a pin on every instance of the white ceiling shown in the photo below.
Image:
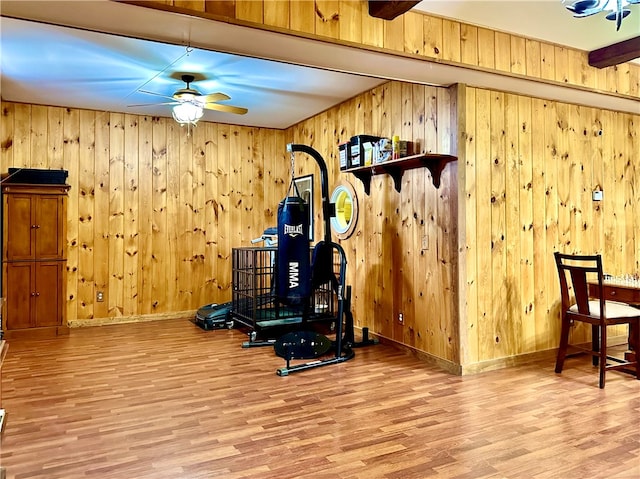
(47, 64)
(52, 65)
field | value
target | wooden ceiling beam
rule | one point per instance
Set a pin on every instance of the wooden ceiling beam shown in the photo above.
(389, 9)
(615, 54)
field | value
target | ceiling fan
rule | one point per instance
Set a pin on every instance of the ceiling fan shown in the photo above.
(585, 8)
(188, 103)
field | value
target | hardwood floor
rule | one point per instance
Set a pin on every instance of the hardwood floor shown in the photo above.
(169, 400)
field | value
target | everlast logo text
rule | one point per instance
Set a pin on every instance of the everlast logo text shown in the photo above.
(293, 231)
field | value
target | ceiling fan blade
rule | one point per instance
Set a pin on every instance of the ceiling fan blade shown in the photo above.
(585, 8)
(587, 13)
(155, 94)
(581, 6)
(154, 104)
(618, 16)
(213, 97)
(226, 108)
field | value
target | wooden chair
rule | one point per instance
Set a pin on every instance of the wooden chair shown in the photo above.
(575, 272)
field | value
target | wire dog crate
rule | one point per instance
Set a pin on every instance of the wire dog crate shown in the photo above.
(254, 302)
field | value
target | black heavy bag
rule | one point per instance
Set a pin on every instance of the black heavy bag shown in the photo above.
(322, 266)
(293, 280)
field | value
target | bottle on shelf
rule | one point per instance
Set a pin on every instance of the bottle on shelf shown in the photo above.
(395, 147)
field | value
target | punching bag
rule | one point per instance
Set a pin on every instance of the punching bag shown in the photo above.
(293, 269)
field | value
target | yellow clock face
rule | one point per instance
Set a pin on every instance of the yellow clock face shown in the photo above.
(346, 205)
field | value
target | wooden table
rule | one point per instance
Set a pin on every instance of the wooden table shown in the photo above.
(624, 293)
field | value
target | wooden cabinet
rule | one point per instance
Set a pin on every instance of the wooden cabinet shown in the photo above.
(34, 259)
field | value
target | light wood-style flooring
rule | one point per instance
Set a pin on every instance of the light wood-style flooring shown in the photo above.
(169, 400)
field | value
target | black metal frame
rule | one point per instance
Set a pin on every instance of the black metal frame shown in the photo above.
(344, 325)
(253, 298)
(343, 345)
(254, 303)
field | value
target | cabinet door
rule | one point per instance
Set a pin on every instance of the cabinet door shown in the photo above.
(19, 291)
(48, 228)
(34, 225)
(19, 226)
(34, 294)
(47, 305)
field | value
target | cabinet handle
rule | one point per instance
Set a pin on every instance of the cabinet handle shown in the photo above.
(34, 226)
(33, 294)
(38, 294)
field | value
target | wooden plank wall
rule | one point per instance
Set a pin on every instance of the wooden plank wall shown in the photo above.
(418, 34)
(152, 214)
(530, 169)
(389, 271)
(511, 282)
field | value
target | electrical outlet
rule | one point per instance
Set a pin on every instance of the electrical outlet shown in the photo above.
(99, 296)
(400, 317)
(425, 243)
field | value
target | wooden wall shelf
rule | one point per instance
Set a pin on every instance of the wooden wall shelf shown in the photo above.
(396, 168)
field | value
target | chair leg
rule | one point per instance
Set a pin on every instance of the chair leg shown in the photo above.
(564, 341)
(637, 351)
(603, 355)
(595, 343)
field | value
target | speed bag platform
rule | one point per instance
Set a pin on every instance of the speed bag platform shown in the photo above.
(302, 345)
(293, 268)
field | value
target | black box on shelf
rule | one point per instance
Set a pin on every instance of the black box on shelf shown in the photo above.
(359, 144)
(345, 155)
(37, 176)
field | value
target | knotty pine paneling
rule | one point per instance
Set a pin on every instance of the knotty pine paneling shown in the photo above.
(502, 52)
(302, 16)
(87, 214)
(70, 159)
(531, 166)
(327, 16)
(389, 271)
(145, 212)
(414, 38)
(115, 296)
(180, 204)
(131, 199)
(153, 214)
(350, 20)
(432, 30)
(276, 13)
(444, 40)
(250, 10)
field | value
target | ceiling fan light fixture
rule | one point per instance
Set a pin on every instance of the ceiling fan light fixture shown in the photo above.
(189, 104)
(187, 113)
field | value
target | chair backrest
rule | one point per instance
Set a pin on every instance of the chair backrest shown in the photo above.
(575, 272)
